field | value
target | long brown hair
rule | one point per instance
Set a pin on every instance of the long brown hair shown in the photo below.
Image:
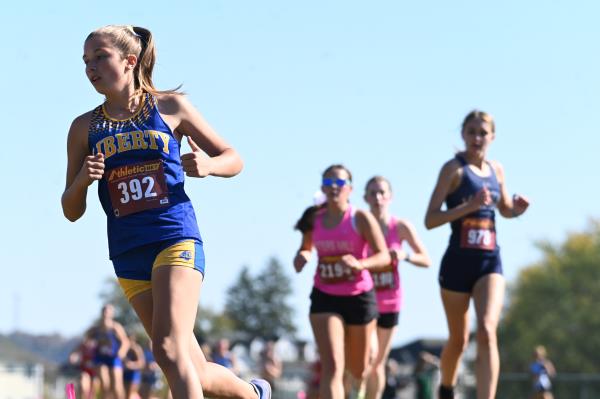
(138, 41)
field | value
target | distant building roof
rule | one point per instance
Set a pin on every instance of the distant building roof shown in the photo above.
(409, 353)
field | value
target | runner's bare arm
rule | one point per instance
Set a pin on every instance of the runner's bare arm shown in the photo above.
(122, 337)
(508, 206)
(369, 228)
(448, 181)
(219, 158)
(82, 169)
(304, 253)
(419, 256)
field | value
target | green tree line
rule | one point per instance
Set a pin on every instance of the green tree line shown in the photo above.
(555, 302)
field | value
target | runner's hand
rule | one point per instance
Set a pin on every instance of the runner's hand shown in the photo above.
(195, 163)
(351, 262)
(397, 255)
(92, 169)
(481, 199)
(300, 260)
(520, 204)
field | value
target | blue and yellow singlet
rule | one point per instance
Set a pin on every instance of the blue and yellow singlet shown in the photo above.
(142, 190)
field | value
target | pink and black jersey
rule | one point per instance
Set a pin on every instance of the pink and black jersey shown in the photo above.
(387, 280)
(331, 276)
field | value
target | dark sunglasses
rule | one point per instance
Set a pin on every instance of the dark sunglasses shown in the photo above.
(328, 182)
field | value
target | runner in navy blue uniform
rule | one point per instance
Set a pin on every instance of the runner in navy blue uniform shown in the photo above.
(473, 188)
(112, 345)
(542, 370)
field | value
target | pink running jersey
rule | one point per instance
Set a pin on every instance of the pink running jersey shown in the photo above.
(331, 277)
(387, 281)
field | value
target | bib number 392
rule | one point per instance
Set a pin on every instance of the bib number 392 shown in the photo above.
(138, 187)
(478, 234)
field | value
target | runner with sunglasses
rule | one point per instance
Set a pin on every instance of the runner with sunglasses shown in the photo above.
(472, 188)
(343, 304)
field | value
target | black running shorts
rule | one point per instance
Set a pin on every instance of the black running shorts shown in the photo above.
(357, 309)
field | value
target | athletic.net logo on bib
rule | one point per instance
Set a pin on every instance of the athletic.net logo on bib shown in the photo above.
(138, 187)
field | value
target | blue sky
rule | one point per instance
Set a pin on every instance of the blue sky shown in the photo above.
(380, 86)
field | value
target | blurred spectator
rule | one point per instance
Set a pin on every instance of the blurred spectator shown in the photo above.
(314, 380)
(112, 345)
(542, 370)
(392, 380)
(83, 357)
(150, 373)
(271, 366)
(133, 363)
(425, 373)
(222, 355)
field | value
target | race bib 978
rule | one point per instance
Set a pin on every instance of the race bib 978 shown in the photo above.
(478, 234)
